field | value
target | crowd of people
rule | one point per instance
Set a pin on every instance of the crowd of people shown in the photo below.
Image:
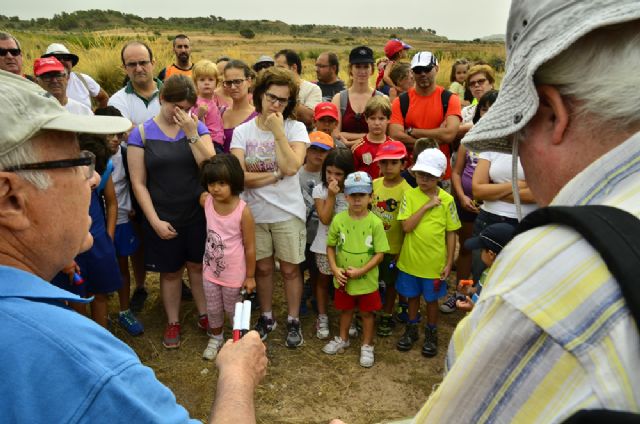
(235, 172)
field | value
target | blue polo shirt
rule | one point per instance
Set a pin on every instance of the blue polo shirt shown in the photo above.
(58, 366)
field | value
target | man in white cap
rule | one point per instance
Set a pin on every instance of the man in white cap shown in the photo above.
(552, 334)
(81, 87)
(57, 365)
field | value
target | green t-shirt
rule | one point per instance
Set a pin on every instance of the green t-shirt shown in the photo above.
(424, 251)
(386, 203)
(356, 242)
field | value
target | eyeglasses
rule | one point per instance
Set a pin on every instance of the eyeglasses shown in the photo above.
(49, 76)
(422, 69)
(320, 65)
(14, 52)
(230, 83)
(134, 65)
(480, 81)
(87, 161)
(273, 99)
(64, 57)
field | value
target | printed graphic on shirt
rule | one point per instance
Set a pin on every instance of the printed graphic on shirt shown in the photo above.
(384, 209)
(214, 253)
(260, 156)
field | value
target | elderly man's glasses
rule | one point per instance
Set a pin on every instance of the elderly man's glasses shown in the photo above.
(272, 98)
(87, 161)
(231, 83)
(49, 76)
(64, 57)
(14, 52)
(134, 65)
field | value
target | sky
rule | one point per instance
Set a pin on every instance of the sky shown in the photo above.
(458, 19)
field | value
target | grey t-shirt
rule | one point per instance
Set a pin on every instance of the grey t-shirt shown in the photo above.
(330, 90)
(308, 180)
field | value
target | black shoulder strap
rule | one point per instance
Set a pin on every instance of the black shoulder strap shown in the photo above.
(125, 161)
(404, 104)
(613, 232)
(444, 98)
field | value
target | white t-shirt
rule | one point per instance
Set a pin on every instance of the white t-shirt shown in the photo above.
(310, 94)
(77, 108)
(133, 107)
(282, 200)
(500, 172)
(319, 244)
(121, 185)
(77, 91)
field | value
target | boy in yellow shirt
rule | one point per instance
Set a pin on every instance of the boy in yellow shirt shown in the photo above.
(429, 220)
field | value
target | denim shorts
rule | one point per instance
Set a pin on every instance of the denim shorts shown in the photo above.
(431, 289)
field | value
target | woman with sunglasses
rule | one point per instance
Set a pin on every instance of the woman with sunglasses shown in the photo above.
(164, 155)
(237, 82)
(480, 80)
(352, 101)
(271, 149)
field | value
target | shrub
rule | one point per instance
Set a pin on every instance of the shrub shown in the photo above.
(247, 33)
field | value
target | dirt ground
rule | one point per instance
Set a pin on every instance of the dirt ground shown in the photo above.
(302, 385)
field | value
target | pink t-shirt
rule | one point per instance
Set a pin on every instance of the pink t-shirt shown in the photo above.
(224, 260)
(213, 119)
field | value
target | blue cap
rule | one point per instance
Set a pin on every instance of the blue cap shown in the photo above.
(494, 237)
(358, 182)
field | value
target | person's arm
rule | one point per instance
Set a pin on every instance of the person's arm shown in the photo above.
(412, 222)
(111, 206)
(463, 129)
(446, 134)
(241, 366)
(304, 114)
(102, 98)
(483, 188)
(325, 207)
(249, 242)
(451, 249)
(375, 260)
(254, 179)
(289, 154)
(397, 132)
(525, 194)
(387, 74)
(203, 198)
(339, 273)
(456, 180)
(138, 175)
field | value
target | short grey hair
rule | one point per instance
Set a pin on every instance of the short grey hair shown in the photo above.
(7, 36)
(599, 73)
(23, 154)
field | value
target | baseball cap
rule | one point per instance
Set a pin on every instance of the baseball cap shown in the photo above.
(391, 149)
(321, 140)
(47, 64)
(431, 161)
(536, 33)
(325, 109)
(393, 46)
(361, 54)
(426, 59)
(25, 109)
(493, 237)
(57, 49)
(358, 182)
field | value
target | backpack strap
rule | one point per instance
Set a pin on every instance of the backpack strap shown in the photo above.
(142, 135)
(613, 232)
(444, 98)
(404, 104)
(104, 177)
(344, 99)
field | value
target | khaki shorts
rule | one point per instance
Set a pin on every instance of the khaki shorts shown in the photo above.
(287, 239)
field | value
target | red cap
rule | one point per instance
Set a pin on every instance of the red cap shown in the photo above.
(47, 64)
(391, 149)
(325, 109)
(393, 46)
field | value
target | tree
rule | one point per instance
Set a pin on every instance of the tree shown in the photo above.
(247, 33)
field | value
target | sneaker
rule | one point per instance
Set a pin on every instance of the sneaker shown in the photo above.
(294, 335)
(137, 300)
(265, 326)
(186, 292)
(449, 305)
(322, 328)
(353, 329)
(409, 337)
(337, 345)
(171, 339)
(430, 346)
(203, 323)
(212, 348)
(129, 322)
(385, 326)
(366, 356)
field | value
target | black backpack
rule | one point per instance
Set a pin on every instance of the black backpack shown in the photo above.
(404, 103)
(615, 234)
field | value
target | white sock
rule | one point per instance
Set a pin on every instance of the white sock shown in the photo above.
(268, 315)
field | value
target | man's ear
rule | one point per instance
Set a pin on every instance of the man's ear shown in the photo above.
(555, 111)
(13, 202)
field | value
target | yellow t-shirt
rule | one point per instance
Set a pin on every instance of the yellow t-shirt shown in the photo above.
(424, 251)
(386, 203)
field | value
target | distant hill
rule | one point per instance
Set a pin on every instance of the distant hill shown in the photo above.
(494, 37)
(99, 20)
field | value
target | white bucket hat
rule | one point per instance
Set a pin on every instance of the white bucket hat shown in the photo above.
(537, 31)
(25, 109)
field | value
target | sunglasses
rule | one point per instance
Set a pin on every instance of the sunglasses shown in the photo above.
(480, 81)
(231, 83)
(14, 52)
(422, 69)
(63, 57)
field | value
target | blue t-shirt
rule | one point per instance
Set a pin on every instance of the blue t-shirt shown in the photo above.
(58, 366)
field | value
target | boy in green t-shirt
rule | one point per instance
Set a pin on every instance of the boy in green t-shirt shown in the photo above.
(355, 246)
(429, 220)
(388, 192)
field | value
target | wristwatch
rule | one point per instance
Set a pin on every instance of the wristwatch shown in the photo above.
(194, 139)
(409, 131)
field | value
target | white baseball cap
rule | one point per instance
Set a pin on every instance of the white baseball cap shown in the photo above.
(537, 31)
(25, 109)
(432, 161)
(425, 59)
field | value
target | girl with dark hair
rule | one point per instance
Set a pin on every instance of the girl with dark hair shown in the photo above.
(164, 157)
(237, 81)
(271, 149)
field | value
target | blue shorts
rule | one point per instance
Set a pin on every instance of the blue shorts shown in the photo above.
(411, 286)
(126, 241)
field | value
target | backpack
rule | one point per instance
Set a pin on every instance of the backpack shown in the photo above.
(615, 234)
(344, 99)
(404, 103)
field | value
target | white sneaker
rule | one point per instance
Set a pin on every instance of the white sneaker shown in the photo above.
(337, 345)
(322, 327)
(353, 330)
(212, 348)
(366, 356)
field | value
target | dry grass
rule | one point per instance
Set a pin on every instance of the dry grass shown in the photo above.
(303, 385)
